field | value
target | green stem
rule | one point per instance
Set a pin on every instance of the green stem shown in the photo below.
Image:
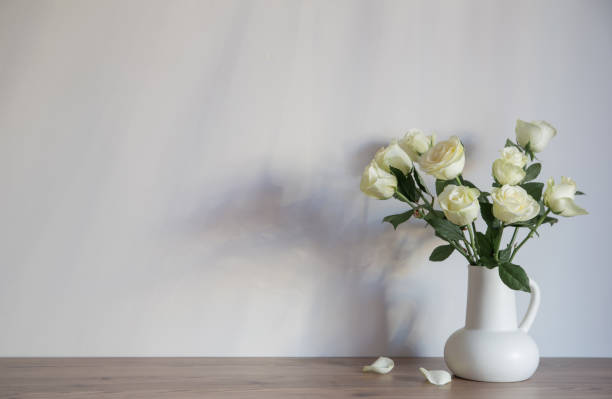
(401, 197)
(473, 241)
(430, 206)
(461, 251)
(476, 241)
(468, 248)
(513, 237)
(531, 233)
(458, 181)
(432, 199)
(497, 242)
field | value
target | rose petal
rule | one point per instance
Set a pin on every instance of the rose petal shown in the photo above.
(569, 208)
(382, 365)
(436, 377)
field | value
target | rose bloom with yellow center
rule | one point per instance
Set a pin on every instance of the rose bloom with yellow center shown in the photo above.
(445, 160)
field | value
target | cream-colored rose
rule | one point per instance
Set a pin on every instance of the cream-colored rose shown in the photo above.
(415, 143)
(514, 156)
(512, 204)
(536, 133)
(507, 173)
(560, 197)
(508, 169)
(460, 204)
(393, 155)
(444, 160)
(377, 183)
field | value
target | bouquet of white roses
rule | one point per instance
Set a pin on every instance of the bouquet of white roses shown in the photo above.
(515, 201)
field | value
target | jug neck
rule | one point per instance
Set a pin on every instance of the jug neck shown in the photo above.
(490, 304)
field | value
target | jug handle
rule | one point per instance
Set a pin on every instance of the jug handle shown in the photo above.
(532, 310)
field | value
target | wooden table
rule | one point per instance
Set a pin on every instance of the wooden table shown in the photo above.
(179, 378)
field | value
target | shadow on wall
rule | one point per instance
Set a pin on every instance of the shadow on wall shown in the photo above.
(325, 235)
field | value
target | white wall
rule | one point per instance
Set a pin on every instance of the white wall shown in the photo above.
(181, 178)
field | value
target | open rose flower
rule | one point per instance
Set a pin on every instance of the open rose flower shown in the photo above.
(460, 204)
(508, 169)
(444, 160)
(513, 204)
(506, 173)
(513, 156)
(560, 197)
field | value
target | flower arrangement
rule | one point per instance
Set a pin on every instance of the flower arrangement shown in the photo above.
(515, 201)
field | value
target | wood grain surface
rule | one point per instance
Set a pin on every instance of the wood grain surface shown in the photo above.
(179, 378)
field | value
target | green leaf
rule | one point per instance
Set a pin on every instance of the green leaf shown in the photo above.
(405, 185)
(398, 219)
(495, 184)
(482, 198)
(514, 277)
(532, 172)
(440, 184)
(542, 208)
(492, 233)
(469, 184)
(485, 245)
(420, 181)
(504, 254)
(550, 220)
(529, 152)
(510, 143)
(486, 210)
(413, 194)
(488, 261)
(525, 223)
(444, 229)
(440, 253)
(580, 193)
(534, 189)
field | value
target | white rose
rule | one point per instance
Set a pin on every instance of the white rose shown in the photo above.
(536, 133)
(444, 160)
(460, 204)
(415, 143)
(560, 197)
(512, 204)
(514, 156)
(377, 183)
(507, 173)
(393, 155)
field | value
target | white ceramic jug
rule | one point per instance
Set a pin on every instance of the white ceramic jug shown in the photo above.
(491, 347)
